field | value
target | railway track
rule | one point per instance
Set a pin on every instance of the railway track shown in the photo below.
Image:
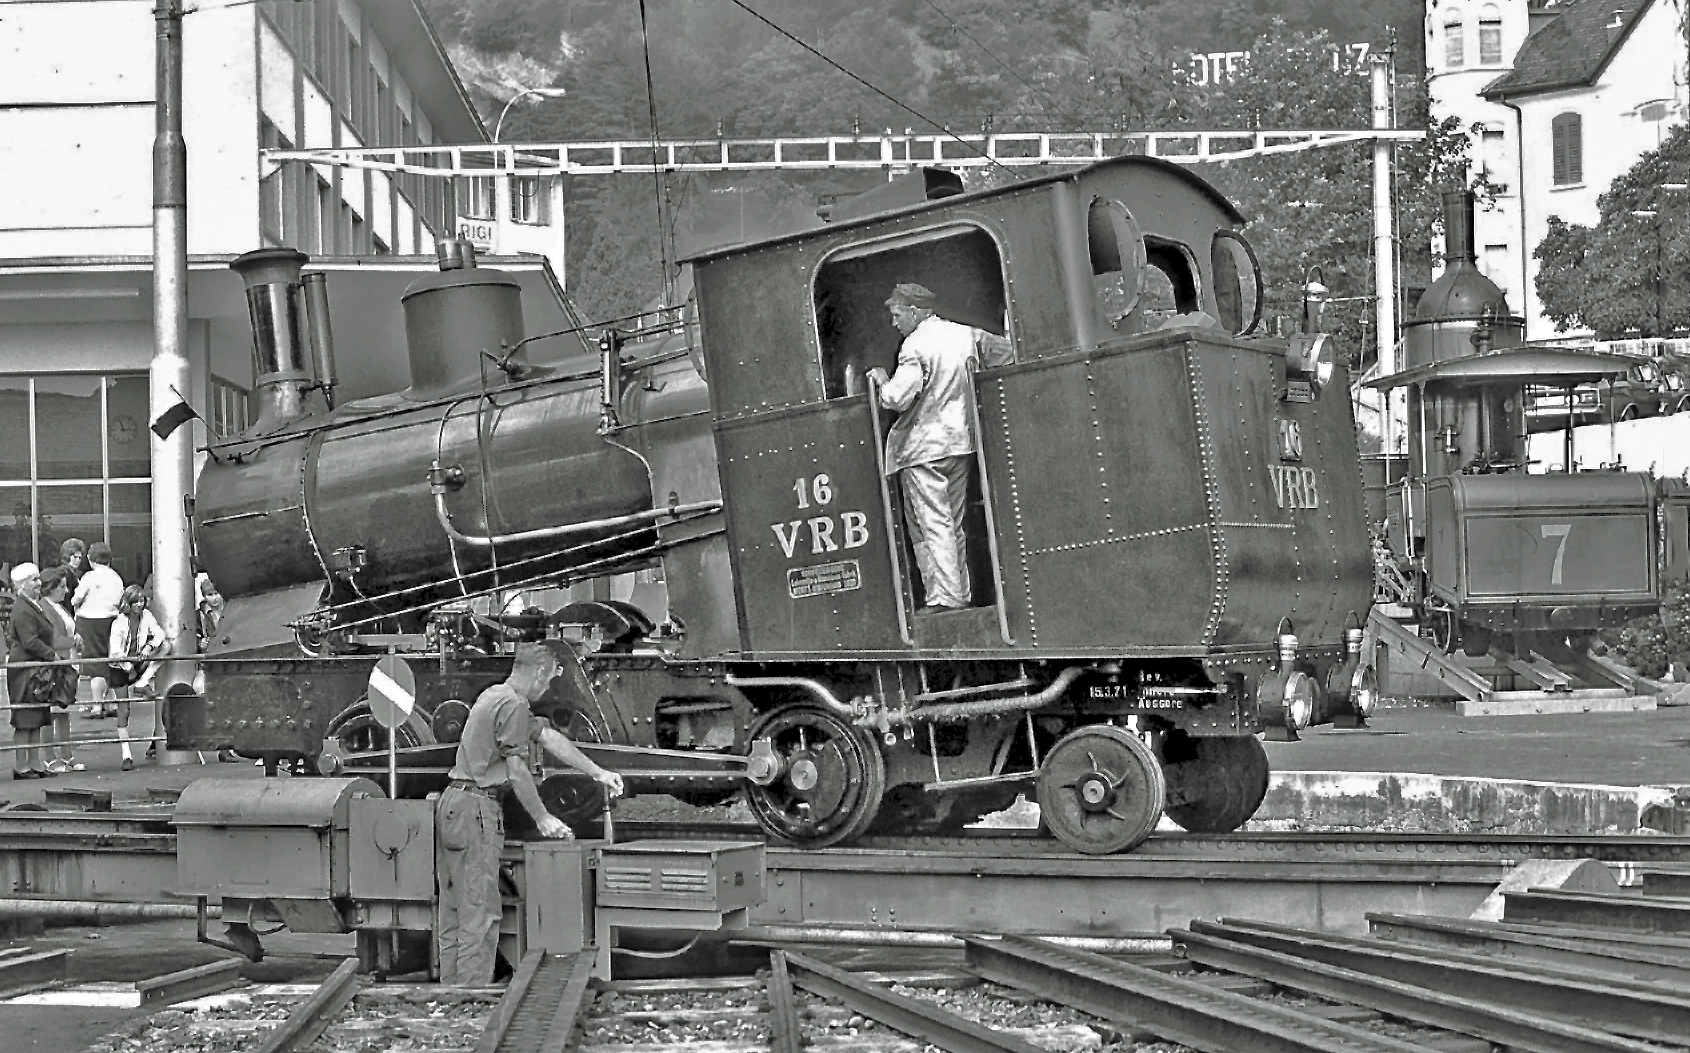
(936, 888)
(151, 832)
(1560, 973)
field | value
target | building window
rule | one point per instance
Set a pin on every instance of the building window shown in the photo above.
(1455, 51)
(1490, 35)
(1493, 153)
(74, 462)
(478, 197)
(1567, 149)
(528, 199)
(273, 200)
(328, 219)
(228, 416)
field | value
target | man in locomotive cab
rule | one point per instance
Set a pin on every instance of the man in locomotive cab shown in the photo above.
(492, 760)
(932, 445)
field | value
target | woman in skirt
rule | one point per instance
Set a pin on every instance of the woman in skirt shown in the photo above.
(55, 601)
(31, 641)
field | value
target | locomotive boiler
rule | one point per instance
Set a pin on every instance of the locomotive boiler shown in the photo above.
(1164, 525)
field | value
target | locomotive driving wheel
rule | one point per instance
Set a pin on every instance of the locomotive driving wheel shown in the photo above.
(569, 795)
(1100, 790)
(831, 782)
(1214, 784)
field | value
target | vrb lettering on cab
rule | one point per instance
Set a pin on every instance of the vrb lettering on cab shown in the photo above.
(852, 527)
(1294, 487)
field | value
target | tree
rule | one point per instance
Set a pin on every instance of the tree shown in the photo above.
(1039, 64)
(1629, 274)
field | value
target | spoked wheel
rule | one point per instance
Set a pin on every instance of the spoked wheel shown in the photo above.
(356, 730)
(1100, 790)
(569, 795)
(1214, 784)
(1445, 627)
(831, 782)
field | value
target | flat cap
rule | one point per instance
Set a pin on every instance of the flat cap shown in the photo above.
(911, 295)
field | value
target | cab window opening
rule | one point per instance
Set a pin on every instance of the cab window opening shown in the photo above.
(1173, 261)
(1237, 278)
(853, 327)
(1117, 252)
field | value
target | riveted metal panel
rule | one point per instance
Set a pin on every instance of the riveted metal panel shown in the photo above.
(1288, 501)
(1101, 508)
(758, 327)
(1581, 556)
(1543, 538)
(812, 575)
(1036, 304)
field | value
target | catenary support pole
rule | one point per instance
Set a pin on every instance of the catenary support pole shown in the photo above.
(1384, 250)
(168, 379)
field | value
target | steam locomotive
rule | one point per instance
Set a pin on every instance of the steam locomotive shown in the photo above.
(1494, 561)
(1165, 525)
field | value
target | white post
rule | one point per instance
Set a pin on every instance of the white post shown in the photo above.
(1384, 245)
(168, 378)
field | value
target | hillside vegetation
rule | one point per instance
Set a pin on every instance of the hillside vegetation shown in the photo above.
(1043, 65)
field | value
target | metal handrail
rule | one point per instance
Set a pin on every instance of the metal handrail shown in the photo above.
(986, 501)
(892, 548)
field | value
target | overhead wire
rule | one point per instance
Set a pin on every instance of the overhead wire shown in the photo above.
(1044, 99)
(899, 103)
(663, 232)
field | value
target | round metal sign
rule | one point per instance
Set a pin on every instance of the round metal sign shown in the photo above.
(393, 691)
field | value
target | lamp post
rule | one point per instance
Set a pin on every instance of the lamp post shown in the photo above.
(1654, 214)
(543, 93)
(1660, 276)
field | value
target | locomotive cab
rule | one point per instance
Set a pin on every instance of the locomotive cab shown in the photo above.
(1148, 475)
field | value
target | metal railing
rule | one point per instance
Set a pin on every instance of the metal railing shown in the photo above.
(967, 150)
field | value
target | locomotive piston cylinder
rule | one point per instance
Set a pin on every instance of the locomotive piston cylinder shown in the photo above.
(281, 370)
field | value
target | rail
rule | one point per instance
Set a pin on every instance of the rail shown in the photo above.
(541, 1005)
(311, 1017)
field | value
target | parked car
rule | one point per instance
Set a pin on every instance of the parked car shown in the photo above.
(1675, 380)
(1546, 407)
(1639, 393)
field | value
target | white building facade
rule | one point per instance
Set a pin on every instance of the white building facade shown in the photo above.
(1560, 98)
(76, 130)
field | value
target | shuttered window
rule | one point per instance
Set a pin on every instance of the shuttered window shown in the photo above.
(1455, 50)
(1490, 36)
(1567, 149)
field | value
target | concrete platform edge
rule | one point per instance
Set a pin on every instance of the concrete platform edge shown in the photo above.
(1361, 800)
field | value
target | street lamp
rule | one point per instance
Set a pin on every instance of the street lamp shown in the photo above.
(543, 93)
(1649, 213)
(1660, 277)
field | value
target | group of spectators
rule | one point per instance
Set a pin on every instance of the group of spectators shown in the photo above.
(78, 615)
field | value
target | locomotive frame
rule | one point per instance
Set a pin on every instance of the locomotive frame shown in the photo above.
(1165, 525)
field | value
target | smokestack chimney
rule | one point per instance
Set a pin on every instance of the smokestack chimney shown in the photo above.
(1616, 25)
(1458, 227)
(281, 370)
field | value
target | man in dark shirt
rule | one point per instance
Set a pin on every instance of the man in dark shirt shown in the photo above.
(469, 822)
